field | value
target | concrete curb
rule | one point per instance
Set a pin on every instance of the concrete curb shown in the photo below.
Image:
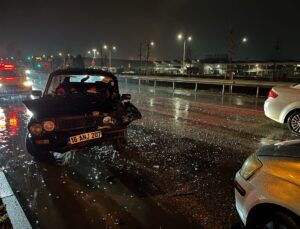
(14, 210)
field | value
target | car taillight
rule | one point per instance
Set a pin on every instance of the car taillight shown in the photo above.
(7, 67)
(7, 79)
(272, 94)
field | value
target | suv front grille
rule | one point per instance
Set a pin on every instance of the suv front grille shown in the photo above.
(73, 123)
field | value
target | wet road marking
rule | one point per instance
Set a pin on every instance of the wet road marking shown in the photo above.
(14, 210)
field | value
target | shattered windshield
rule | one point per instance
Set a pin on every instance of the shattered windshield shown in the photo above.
(68, 84)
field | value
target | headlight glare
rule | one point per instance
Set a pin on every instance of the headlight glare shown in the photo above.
(27, 83)
(36, 129)
(250, 166)
(49, 126)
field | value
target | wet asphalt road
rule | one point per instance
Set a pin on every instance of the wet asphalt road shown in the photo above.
(176, 172)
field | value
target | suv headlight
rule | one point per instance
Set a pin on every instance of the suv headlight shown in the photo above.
(250, 166)
(36, 129)
(108, 120)
(48, 126)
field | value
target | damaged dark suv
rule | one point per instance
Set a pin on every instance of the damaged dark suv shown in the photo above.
(79, 108)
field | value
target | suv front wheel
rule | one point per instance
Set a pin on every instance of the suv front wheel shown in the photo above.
(120, 143)
(36, 151)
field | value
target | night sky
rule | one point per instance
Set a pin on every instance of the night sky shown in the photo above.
(36, 26)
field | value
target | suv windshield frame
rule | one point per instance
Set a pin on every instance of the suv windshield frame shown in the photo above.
(103, 77)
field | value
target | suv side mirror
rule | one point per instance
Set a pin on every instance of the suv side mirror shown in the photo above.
(126, 97)
(37, 93)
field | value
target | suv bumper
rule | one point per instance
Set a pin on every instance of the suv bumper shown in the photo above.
(59, 142)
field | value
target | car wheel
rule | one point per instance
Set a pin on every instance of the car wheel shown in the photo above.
(120, 143)
(294, 122)
(37, 152)
(274, 220)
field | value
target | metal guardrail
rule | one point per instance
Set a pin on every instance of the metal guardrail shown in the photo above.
(231, 83)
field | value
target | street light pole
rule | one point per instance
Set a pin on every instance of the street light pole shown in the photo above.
(181, 37)
(114, 48)
(109, 58)
(233, 48)
(149, 45)
(183, 59)
(94, 51)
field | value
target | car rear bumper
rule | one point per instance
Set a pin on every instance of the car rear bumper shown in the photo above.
(59, 142)
(272, 110)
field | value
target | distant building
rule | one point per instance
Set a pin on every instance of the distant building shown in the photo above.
(260, 69)
(211, 66)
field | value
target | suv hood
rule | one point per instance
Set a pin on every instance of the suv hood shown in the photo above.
(73, 104)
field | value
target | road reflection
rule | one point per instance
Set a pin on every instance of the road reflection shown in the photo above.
(13, 117)
(79, 190)
(101, 188)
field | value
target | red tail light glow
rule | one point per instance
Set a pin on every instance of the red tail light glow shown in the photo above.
(8, 79)
(272, 94)
(7, 67)
(13, 122)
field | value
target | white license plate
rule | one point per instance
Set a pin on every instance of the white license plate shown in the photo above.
(85, 137)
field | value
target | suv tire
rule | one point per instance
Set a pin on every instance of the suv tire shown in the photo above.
(120, 143)
(37, 152)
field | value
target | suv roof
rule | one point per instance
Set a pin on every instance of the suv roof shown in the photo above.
(82, 71)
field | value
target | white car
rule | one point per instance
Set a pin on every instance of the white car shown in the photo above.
(283, 106)
(267, 187)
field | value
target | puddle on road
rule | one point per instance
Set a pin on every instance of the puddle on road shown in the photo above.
(85, 192)
(112, 194)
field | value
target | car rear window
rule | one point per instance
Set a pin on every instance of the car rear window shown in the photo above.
(283, 149)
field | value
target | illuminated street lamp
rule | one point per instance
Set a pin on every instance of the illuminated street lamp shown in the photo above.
(180, 37)
(60, 54)
(244, 40)
(106, 47)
